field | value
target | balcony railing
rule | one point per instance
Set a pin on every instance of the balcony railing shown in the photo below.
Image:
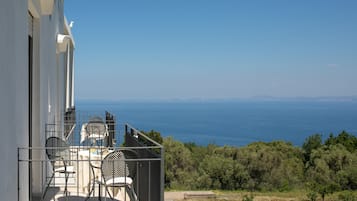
(85, 179)
(151, 171)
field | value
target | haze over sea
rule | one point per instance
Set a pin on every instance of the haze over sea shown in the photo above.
(235, 123)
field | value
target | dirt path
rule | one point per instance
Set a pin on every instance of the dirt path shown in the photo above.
(173, 196)
(181, 195)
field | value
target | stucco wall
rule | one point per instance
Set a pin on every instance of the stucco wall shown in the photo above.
(48, 92)
(14, 92)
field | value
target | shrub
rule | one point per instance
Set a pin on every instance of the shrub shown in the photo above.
(347, 196)
(312, 196)
(248, 197)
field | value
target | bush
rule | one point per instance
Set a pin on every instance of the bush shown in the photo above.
(248, 197)
(278, 165)
(312, 196)
(347, 196)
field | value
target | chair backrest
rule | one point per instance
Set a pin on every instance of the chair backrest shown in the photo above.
(57, 149)
(116, 164)
(96, 126)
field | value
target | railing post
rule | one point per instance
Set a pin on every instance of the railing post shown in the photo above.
(18, 174)
(162, 173)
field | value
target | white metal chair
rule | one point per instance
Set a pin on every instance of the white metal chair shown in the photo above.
(96, 129)
(58, 153)
(118, 170)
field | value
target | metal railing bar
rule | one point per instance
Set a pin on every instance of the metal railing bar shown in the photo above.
(162, 174)
(71, 132)
(93, 147)
(141, 134)
(77, 174)
(94, 160)
(138, 179)
(149, 192)
(18, 175)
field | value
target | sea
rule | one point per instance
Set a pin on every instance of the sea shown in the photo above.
(233, 123)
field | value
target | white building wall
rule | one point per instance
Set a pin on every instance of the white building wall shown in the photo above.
(13, 92)
(48, 88)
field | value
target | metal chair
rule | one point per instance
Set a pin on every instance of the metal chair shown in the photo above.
(118, 170)
(58, 153)
(96, 129)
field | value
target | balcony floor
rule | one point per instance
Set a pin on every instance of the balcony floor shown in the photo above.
(56, 194)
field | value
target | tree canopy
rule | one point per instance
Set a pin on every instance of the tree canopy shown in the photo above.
(323, 167)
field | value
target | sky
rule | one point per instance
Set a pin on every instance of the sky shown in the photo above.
(213, 49)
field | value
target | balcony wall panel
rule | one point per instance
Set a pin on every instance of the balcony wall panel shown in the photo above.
(149, 186)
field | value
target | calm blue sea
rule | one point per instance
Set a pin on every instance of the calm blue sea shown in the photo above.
(235, 123)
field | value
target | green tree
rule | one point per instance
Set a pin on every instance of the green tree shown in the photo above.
(179, 169)
(154, 135)
(330, 169)
(344, 138)
(272, 166)
(311, 143)
(276, 165)
(223, 172)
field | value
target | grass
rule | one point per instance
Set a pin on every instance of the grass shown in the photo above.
(297, 195)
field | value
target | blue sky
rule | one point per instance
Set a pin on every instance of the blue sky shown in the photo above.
(184, 49)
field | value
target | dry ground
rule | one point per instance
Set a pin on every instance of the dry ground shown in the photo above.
(238, 196)
(180, 196)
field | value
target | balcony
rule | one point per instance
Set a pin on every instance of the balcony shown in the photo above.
(80, 172)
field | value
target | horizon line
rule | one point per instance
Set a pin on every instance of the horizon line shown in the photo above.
(253, 98)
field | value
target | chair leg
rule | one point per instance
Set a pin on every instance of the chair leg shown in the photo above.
(128, 190)
(65, 184)
(90, 192)
(48, 185)
(111, 197)
(132, 193)
(93, 185)
(99, 193)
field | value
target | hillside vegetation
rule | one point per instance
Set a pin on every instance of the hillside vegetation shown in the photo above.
(320, 167)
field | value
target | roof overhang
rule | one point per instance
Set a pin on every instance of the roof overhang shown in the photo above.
(66, 39)
(68, 30)
(62, 42)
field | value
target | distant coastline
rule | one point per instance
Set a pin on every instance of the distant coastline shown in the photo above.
(215, 100)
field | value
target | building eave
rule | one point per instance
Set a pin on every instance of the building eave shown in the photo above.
(68, 31)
